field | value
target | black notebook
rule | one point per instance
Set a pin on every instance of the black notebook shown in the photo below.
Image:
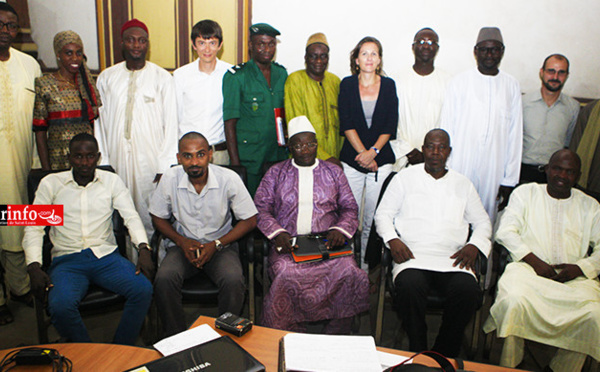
(310, 248)
(221, 354)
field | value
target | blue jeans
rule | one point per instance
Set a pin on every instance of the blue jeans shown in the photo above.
(72, 274)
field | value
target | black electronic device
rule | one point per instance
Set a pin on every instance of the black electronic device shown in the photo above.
(35, 357)
(233, 324)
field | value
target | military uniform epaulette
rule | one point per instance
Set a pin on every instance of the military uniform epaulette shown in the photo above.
(277, 64)
(239, 66)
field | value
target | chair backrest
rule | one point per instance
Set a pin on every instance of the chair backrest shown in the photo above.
(267, 165)
(240, 170)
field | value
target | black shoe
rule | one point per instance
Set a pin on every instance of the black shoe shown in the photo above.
(26, 299)
(6, 316)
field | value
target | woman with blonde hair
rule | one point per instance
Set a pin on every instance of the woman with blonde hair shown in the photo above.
(368, 110)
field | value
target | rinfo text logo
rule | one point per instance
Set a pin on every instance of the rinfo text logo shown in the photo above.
(31, 215)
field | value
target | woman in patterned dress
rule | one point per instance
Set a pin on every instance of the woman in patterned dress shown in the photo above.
(66, 102)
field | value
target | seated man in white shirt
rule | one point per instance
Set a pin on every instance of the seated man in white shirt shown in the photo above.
(200, 197)
(84, 248)
(424, 219)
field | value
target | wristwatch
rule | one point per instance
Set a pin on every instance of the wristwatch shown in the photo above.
(218, 244)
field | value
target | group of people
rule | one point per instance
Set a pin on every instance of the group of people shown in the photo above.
(344, 139)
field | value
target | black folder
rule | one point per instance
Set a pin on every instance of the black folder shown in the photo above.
(311, 248)
(221, 354)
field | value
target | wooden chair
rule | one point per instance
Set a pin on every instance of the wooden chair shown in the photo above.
(97, 299)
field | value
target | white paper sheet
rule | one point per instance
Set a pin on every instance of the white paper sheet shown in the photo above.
(388, 360)
(305, 352)
(186, 339)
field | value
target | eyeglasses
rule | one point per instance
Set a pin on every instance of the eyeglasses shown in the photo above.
(493, 50)
(302, 146)
(424, 41)
(11, 26)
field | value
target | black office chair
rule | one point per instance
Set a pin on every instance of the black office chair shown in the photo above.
(435, 299)
(97, 300)
(199, 288)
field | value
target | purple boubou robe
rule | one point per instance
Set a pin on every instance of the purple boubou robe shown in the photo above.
(331, 289)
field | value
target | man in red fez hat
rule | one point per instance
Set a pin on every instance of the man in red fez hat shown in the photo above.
(137, 129)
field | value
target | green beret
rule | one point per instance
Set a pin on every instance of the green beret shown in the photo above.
(263, 29)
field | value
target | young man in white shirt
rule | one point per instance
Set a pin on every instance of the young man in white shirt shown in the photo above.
(84, 248)
(198, 87)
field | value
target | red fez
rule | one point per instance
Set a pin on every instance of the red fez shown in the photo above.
(134, 23)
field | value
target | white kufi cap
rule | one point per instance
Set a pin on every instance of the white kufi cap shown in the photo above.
(299, 124)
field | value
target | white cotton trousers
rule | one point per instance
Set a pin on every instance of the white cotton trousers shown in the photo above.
(563, 360)
(366, 188)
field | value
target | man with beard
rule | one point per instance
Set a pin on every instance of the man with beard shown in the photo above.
(313, 93)
(17, 75)
(137, 129)
(200, 197)
(548, 119)
(252, 99)
(483, 114)
(421, 90)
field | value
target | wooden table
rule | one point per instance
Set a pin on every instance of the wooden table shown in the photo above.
(261, 342)
(95, 357)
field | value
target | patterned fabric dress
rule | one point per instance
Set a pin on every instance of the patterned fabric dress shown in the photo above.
(306, 292)
(59, 111)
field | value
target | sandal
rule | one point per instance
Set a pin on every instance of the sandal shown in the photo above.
(6, 316)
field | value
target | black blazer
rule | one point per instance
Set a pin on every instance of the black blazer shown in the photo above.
(385, 120)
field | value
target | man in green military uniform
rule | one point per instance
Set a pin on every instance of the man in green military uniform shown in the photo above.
(252, 91)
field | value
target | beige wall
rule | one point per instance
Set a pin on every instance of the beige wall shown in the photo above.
(532, 30)
(222, 11)
(50, 17)
(159, 16)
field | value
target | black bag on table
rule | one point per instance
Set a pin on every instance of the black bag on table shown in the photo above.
(444, 363)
